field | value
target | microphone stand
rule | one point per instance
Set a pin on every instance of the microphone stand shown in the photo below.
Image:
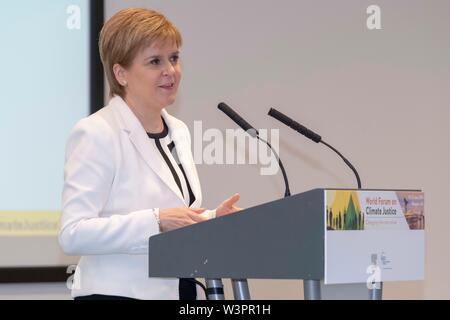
(287, 192)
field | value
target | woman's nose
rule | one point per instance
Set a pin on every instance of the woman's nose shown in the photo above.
(169, 70)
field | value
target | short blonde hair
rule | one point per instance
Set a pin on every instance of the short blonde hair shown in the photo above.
(128, 32)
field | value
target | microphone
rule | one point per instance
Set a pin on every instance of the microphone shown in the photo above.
(255, 134)
(310, 135)
(294, 125)
(238, 119)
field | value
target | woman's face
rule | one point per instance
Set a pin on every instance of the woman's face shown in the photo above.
(154, 76)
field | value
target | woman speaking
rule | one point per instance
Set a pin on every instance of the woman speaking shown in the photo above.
(129, 172)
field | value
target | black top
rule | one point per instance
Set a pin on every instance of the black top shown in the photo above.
(186, 287)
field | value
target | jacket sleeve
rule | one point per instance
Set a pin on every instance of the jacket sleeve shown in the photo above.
(88, 177)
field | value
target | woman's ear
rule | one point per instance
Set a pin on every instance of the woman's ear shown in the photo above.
(120, 74)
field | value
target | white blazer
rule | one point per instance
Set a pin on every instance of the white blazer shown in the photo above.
(114, 181)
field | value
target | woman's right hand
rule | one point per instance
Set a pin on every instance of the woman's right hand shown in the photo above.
(174, 218)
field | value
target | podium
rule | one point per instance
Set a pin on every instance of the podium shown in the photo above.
(322, 236)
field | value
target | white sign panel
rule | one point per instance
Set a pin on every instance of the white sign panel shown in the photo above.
(374, 236)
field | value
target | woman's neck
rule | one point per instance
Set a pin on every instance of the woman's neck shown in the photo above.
(150, 118)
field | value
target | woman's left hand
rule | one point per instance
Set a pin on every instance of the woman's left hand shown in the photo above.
(228, 207)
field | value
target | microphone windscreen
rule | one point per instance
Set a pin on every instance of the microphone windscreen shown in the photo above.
(294, 125)
(238, 119)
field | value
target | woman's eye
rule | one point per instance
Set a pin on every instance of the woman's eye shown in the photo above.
(175, 59)
(155, 61)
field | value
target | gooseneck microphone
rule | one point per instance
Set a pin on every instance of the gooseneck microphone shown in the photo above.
(310, 135)
(238, 119)
(255, 134)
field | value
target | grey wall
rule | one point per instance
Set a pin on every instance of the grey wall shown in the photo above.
(381, 97)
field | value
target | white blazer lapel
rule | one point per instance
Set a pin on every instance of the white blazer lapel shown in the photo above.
(180, 138)
(147, 150)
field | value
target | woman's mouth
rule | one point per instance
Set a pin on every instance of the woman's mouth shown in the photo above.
(168, 86)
